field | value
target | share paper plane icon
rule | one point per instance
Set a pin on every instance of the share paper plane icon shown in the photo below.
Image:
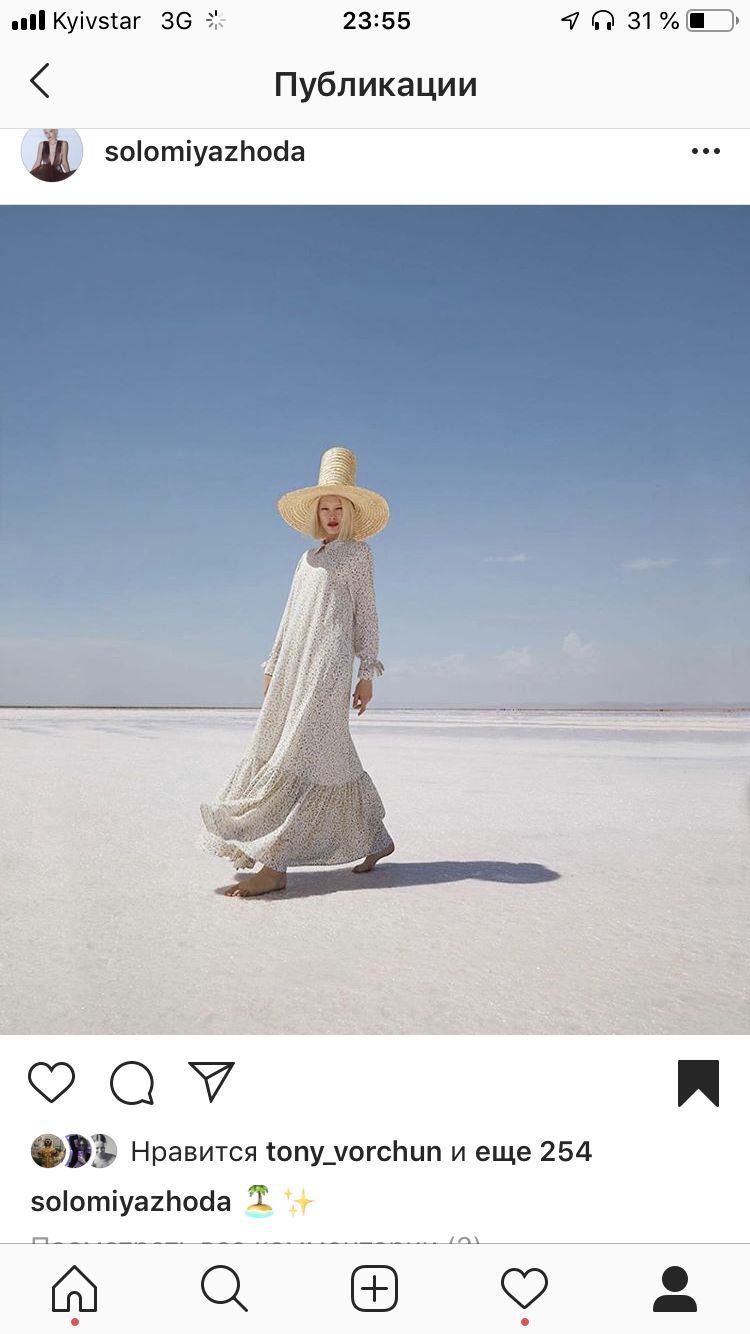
(572, 19)
(213, 1074)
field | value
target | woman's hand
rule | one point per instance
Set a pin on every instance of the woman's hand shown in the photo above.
(362, 695)
(266, 683)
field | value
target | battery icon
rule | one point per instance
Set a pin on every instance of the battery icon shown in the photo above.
(710, 20)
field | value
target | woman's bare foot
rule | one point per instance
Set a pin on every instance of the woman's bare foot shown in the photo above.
(261, 882)
(373, 857)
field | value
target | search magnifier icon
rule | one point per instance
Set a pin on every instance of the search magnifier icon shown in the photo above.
(220, 1289)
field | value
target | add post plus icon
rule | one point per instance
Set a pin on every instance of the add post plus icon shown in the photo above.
(374, 1288)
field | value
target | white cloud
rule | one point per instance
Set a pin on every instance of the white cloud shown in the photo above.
(648, 563)
(576, 653)
(517, 662)
(518, 559)
(714, 562)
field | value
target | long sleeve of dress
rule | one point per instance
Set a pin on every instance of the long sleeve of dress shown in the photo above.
(366, 630)
(270, 661)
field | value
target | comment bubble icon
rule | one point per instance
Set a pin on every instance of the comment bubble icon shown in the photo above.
(132, 1082)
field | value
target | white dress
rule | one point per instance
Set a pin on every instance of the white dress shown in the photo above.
(300, 796)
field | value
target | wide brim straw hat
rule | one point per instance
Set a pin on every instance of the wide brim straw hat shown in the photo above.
(337, 477)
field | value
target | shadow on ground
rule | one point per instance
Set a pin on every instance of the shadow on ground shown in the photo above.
(339, 880)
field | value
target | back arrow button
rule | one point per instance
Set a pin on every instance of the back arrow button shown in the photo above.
(34, 77)
(572, 19)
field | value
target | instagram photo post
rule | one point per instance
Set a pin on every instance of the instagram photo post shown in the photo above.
(374, 482)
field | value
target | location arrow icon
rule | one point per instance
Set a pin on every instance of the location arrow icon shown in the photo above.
(572, 19)
(213, 1073)
(38, 86)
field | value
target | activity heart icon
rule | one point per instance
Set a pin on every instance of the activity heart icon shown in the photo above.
(51, 1080)
(524, 1286)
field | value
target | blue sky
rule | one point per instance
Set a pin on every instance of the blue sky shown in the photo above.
(555, 402)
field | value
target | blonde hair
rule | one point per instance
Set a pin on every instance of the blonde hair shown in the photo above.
(316, 529)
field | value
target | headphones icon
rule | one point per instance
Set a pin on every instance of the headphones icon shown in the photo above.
(610, 19)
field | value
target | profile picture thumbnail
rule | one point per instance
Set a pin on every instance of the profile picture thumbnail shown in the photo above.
(105, 1150)
(51, 155)
(48, 1151)
(79, 1150)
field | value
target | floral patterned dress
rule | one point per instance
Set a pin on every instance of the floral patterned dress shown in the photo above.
(300, 796)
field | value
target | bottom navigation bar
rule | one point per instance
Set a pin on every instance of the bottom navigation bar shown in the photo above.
(441, 1286)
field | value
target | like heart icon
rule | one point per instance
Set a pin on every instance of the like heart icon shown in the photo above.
(51, 1080)
(524, 1286)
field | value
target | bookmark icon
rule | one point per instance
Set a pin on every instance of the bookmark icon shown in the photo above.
(697, 1077)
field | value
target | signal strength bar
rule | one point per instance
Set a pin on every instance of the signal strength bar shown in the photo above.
(34, 23)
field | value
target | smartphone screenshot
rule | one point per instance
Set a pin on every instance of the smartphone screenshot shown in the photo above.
(374, 663)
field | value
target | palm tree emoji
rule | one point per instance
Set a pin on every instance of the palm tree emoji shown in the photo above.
(260, 1191)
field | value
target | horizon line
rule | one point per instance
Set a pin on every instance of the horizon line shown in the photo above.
(394, 708)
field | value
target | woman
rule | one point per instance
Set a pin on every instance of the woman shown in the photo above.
(52, 159)
(300, 796)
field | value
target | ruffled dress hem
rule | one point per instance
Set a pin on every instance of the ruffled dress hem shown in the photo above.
(346, 820)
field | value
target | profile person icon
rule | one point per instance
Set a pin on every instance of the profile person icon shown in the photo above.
(674, 1299)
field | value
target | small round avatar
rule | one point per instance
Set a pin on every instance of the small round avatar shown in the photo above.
(48, 1151)
(51, 155)
(79, 1150)
(105, 1150)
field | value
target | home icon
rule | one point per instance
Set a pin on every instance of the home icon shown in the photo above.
(74, 1292)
